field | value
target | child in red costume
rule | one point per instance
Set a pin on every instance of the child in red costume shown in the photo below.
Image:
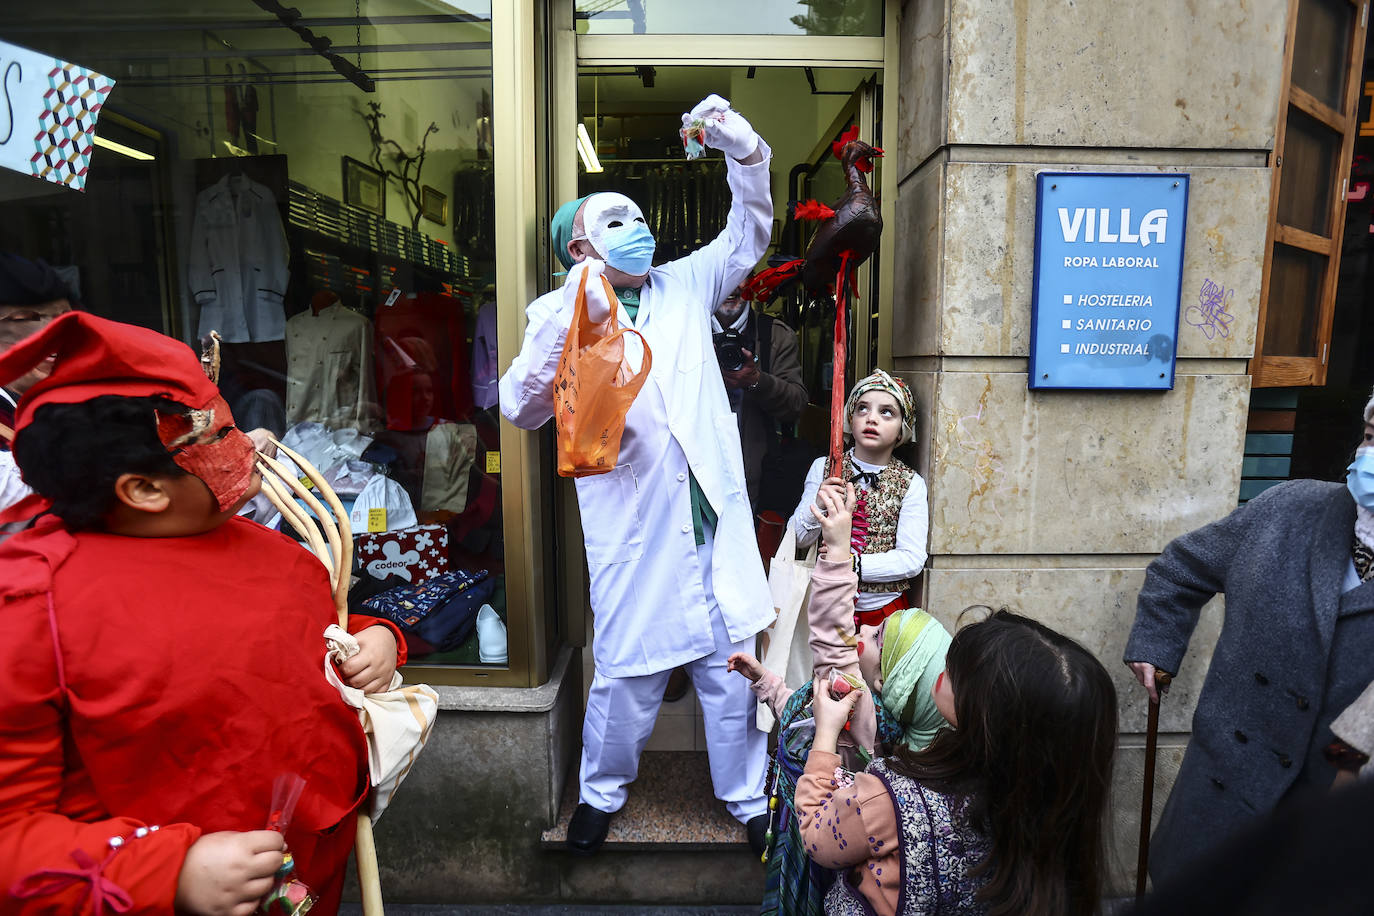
(161, 660)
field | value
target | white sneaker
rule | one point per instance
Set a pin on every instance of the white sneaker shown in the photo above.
(491, 637)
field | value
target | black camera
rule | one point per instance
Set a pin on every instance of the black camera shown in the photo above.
(730, 346)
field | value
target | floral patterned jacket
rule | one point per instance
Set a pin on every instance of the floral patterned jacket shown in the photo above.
(909, 850)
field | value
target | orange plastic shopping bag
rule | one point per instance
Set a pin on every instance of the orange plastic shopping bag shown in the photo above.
(594, 389)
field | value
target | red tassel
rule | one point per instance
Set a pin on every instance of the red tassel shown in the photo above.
(812, 209)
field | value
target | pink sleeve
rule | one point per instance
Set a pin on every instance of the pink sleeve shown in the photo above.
(845, 818)
(830, 616)
(770, 689)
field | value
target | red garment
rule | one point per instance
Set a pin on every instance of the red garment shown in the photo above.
(879, 614)
(422, 360)
(166, 681)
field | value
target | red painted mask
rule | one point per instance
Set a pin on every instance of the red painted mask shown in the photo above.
(199, 444)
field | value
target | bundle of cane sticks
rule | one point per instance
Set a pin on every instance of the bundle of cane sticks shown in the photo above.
(335, 551)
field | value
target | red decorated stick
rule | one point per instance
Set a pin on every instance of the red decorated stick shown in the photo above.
(837, 391)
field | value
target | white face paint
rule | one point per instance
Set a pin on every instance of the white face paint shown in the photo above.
(606, 214)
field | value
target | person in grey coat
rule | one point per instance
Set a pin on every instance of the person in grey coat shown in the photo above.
(1296, 648)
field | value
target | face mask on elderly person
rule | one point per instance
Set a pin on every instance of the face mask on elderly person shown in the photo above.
(1360, 477)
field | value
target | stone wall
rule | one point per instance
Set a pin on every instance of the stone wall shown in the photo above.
(1054, 502)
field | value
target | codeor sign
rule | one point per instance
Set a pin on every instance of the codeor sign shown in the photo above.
(1108, 279)
(48, 114)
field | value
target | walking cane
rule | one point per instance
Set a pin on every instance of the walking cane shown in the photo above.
(1147, 798)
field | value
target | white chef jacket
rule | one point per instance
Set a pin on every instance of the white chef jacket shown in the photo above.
(646, 586)
(238, 261)
(329, 375)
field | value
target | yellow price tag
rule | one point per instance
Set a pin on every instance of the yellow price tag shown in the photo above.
(376, 520)
(307, 483)
(493, 462)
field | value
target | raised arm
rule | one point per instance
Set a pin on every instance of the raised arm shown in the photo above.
(719, 266)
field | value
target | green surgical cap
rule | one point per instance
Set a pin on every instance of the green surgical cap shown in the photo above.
(561, 229)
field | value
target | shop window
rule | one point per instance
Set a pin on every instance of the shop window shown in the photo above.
(316, 185)
(761, 17)
(1312, 155)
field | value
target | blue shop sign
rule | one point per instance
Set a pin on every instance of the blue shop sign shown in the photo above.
(1108, 279)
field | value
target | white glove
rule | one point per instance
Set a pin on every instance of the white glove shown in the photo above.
(598, 306)
(726, 130)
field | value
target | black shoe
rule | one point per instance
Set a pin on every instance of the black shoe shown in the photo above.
(678, 682)
(757, 828)
(587, 829)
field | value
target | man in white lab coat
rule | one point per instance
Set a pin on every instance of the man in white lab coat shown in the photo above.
(676, 577)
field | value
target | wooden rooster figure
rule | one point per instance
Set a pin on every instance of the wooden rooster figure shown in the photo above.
(847, 235)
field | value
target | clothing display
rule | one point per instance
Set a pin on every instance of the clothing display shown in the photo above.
(116, 711)
(684, 204)
(329, 377)
(897, 525)
(237, 263)
(485, 365)
(660, 600)
(449, 452)
(381, 505)
(421, 355)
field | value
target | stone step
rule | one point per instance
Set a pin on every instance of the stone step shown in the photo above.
(671, 808)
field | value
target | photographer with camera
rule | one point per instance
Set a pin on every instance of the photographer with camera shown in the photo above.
(761, 366)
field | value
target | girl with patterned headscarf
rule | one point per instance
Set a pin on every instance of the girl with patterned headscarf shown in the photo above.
(890, 521)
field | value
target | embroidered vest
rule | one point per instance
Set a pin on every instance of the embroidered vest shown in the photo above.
(939, 849)
(876, 516)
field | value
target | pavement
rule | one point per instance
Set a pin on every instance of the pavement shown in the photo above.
(556, 909)
(1110, 907)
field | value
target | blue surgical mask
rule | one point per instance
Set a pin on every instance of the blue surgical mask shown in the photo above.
(1360, 477)
(630, 250)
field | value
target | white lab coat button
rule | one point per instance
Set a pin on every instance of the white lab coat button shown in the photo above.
(681, 477)
(686, 528)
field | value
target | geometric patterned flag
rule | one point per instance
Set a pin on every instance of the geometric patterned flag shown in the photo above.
(51, 108)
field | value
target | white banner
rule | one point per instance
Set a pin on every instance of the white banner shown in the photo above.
(48, 110)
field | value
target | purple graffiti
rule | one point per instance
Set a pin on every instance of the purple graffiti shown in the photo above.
(1210, 315)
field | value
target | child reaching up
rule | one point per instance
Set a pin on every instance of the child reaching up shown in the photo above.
(161, 660)
(898, 660)
(890, 519)
(1001, 814)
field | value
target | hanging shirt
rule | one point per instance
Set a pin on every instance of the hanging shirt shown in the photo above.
(329, 377)
(238, 261)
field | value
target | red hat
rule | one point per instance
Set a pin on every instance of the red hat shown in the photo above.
(95, 356)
